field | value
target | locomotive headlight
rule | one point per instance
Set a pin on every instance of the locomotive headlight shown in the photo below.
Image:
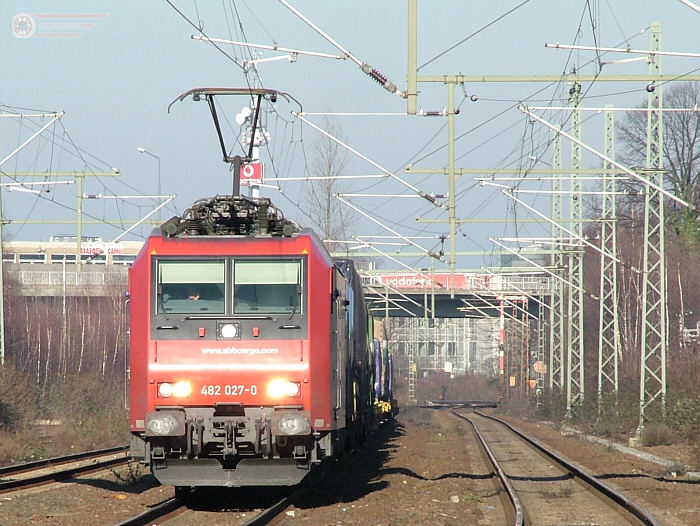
(165, 423)
(165, 390)
(293, 389)
(228, 331)
(180, 389)
(291, 423)
(282, 388)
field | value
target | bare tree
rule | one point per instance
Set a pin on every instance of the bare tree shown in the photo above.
(329, 216)
(39, 346)
(681, 151)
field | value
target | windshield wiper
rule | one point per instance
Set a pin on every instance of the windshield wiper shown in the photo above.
(298, 301)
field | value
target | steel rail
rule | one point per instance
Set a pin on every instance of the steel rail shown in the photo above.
(515, 501)
(56, 461)
(176, 505)
(267, 515)
(156, 512)
(56, 476)
(635, 509)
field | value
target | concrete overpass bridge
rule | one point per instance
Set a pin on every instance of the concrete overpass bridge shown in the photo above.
(491, 323)
(458, 295)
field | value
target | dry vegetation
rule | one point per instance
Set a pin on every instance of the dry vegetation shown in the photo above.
(62, 387)
(620, 416)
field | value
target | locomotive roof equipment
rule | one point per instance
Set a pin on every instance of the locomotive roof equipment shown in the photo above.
(229, 216)
(259, 94)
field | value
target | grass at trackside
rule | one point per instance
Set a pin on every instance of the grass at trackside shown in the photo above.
(75, 414)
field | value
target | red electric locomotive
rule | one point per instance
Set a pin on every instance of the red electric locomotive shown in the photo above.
(250, 355)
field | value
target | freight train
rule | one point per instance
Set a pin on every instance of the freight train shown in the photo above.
(252, 357)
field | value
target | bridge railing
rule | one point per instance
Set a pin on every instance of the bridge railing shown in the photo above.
(75, 279)
(91, 281)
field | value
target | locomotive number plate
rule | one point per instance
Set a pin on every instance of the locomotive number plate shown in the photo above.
(229, 390)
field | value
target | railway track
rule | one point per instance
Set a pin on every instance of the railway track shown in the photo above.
(545, 489)
(46, 471)
(175, 506)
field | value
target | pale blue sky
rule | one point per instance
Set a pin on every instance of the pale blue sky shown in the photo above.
(116, 80)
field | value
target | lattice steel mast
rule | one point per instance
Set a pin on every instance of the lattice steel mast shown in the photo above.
(556, 323)
(652, 386)
(575, 362)
(609, 330)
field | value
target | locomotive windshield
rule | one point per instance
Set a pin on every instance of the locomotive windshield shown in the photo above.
(191, 286)
(266, 286)
(259, 286)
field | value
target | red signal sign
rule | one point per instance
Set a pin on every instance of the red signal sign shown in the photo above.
(251, 174)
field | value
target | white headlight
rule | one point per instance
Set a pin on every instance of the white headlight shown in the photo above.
(165, 389)
(282, 388)
(293, 423)
(161, 424)
(229, 330)
(182, 389)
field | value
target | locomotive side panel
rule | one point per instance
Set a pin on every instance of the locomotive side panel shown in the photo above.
(138, 339)
(322, 343)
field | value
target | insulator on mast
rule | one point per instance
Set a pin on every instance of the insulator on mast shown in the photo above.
(381, 79)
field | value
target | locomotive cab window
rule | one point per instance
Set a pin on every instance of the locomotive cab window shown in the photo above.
(267, 287)
(191, 287)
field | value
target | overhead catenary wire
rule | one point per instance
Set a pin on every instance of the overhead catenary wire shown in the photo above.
(200, 30)
(499, 18)
(420, 273)
(421, 193)
(268, 47)
(611, 161)
(648, 52)
(392, 222)
(88, 168)
(544, 269)
(90, 161)
(518, 289)
(374, 220)
(373, 73)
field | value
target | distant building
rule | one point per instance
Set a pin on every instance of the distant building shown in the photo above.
(93, 250)
(48, 268)
(460, 346)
